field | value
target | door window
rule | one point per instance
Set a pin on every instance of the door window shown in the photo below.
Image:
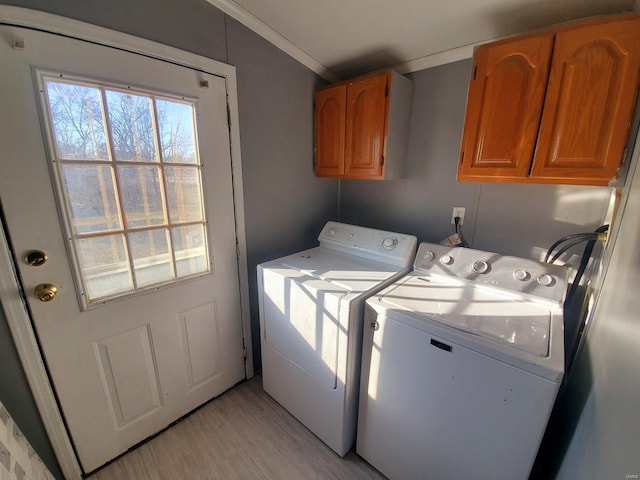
(130, 183)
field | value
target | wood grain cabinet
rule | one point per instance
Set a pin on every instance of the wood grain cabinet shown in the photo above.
(553, 106)
(361, 127)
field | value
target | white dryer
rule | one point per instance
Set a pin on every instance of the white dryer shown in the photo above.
(462, 361)
(311, 318)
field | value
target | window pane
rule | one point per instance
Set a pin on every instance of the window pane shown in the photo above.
(184, 194)
(90, 195)
(131, 124)
(142, 196)
(151, 257)
(128, 211)
(190, 251)
(177, 133)
(104, 266)
(76, 114)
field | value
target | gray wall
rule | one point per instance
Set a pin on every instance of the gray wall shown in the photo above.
(285, 204)
(600, 406)
(522, 220)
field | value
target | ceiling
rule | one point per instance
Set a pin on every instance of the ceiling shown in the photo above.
(342, 38)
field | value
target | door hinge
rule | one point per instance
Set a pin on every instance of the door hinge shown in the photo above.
(244, 352)
(228, 115)
(237, 250)
(381, 160)
(386, 90)
(475, 71)
(461, 157)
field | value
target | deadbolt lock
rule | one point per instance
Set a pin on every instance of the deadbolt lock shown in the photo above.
(45, 292)
(35, 258)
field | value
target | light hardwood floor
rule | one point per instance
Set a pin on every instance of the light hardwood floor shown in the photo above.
(244, 434)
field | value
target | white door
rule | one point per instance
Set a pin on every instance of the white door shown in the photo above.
(118, 167)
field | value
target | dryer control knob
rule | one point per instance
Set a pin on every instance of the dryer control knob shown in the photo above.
(446, 259)
(389, 243)
(429, 256)
(546, 280)
(480, 266)
(520, 274)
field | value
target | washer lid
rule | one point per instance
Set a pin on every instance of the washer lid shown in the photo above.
(479, 311)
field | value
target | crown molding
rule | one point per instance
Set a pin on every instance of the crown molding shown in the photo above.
(252, 22)
(436, 59)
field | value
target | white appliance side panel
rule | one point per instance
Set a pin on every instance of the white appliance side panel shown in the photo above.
(302, 321)
(426, 412)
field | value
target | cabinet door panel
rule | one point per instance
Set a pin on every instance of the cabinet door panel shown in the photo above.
(504, 107)
(331, 104)
(367, 105)
(589, 103)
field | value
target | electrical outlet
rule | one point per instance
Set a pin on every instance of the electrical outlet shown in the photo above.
(458, 212)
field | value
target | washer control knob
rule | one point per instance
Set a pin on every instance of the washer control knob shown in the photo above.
(546, 280)
(429, 256)
(446, 259)
(480, 266)
(520, 274)
(389, 243)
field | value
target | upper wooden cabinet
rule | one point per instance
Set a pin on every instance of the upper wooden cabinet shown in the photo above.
(361, 127)
(553, 107)
(504, 107)
(331, 108)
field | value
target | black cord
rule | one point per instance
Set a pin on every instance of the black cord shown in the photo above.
(587, 235)
(592, 236)
(588, 249)
(456, 220)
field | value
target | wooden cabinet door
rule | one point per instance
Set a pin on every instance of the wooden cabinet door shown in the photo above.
(330, 114)
(589, 103)
(504, 105)
(367, 108)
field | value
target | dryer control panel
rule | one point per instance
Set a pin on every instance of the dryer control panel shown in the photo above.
(519, 275)
(380, 245)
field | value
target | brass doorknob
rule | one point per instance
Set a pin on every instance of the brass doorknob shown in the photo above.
(45, 292)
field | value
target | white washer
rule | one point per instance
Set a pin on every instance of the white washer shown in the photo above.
(311, 317)
(462, 360)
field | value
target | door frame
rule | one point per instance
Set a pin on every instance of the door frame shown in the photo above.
(11, 292)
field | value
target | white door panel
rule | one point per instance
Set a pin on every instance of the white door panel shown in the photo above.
(124, 369)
